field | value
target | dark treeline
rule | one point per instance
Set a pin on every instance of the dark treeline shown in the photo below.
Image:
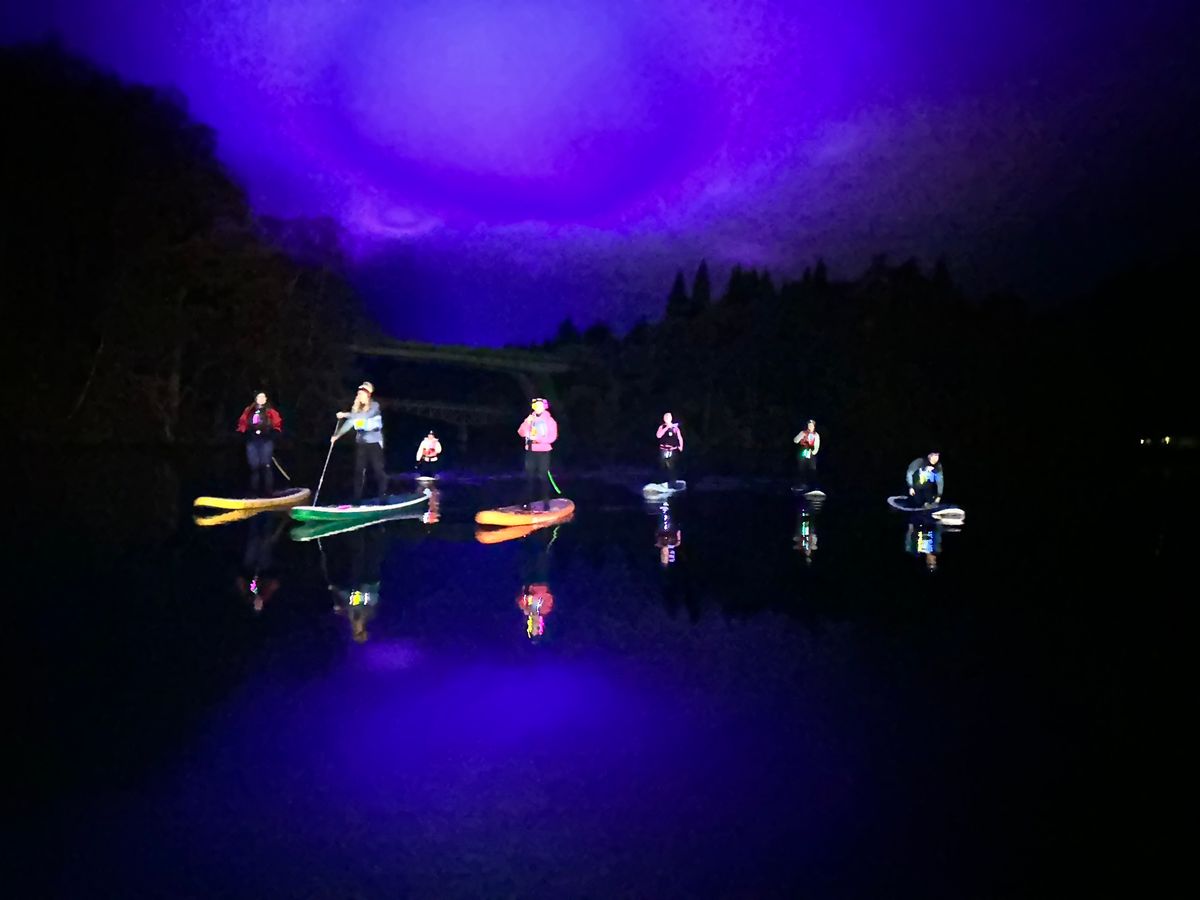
(890, 363)
(143, 300)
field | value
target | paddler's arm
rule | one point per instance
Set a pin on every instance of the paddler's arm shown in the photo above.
(679, 431)
(551, 430)
(816, 444)
(910, 472)
(344, 427)
(523, 430)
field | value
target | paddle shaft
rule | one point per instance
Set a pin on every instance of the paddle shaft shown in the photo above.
(281, 469)
(323, 468)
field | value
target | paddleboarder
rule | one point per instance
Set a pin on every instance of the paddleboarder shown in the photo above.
(926, 480)
(366, 421)
(670, 447)
(806, 457)
(260, 422)
(540, 431)
(428, 454)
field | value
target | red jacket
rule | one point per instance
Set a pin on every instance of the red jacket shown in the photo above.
(274, 420)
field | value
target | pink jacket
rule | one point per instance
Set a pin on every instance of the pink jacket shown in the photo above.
(540, 432)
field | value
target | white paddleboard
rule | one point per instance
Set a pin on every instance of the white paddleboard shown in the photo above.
(944, 512)
(663, 488)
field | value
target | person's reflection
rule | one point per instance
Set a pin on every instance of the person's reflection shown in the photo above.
(924, 541)
(433, 512)
(256, 583)
(357, 597)
(805, 537)
(536, 600)
(668, 536)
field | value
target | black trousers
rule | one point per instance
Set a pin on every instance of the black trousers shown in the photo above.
(262, 475)
(369, 456)
(537, 477)
(808, 470)
(925, 493)
(667, 460)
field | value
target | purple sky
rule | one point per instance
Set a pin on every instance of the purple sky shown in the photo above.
(498, 165)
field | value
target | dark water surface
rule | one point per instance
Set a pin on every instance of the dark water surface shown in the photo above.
(710, 711)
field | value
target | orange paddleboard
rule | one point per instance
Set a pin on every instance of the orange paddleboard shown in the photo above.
(559, 510)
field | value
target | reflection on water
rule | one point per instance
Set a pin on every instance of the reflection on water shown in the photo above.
(923, 539)
(356, 582)
(804, 538)
(747, 716)
(535, 599)
(433, 509)
(669, 534)
(257, 582)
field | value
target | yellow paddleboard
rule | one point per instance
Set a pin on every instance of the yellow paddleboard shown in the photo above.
(280, 500)
(234, 515)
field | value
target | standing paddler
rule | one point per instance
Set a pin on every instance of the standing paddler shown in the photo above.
(260, 423)
(429, 452)
(670, 448)
(366, 421)
(806, 456)
(540, 431)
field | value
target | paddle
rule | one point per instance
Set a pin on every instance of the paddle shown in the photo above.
(281, 469)
(550, 475)
(326, 466)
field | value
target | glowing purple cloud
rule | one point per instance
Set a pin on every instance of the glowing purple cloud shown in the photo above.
(571, 153)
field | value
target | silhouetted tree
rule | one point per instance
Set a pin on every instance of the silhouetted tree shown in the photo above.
(820, 276)
(678, 304)
(567, 333)
(701, 290)
(599, 334)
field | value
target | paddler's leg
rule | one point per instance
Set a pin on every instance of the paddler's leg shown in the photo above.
(531, 476)
(252, 465)
(268, 470)
(544, 477)
(254, 460)
(381, 479)
(360, 469)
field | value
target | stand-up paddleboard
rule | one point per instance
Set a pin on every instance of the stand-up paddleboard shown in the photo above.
(512, 532)
(278, 500)
(942, 511)
(813, 495)
(559, 510)
(360, 512)
(663, 488)
(312, 531)
(225, 518)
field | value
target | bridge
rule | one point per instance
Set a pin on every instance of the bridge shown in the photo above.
(532, 370)
(461, 414)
